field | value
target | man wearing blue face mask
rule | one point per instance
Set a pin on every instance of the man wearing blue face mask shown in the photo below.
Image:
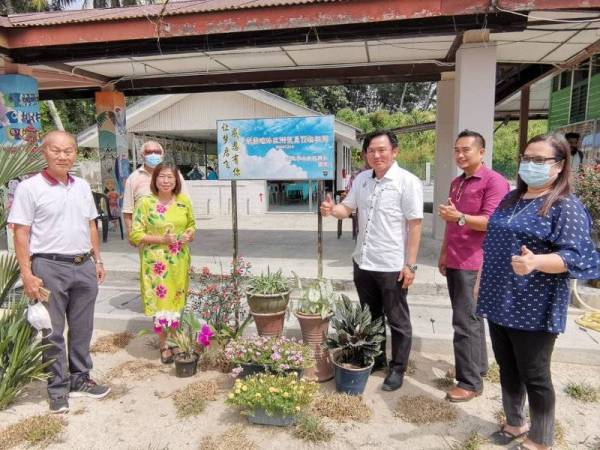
(138, 183)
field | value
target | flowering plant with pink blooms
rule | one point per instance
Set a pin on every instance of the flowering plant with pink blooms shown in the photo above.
(276, 353)
(217, 299)
(190, 334)
(165, 322)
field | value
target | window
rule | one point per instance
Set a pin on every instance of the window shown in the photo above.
(565, 79)
(581, 73)
(595, 64)
(555, 83)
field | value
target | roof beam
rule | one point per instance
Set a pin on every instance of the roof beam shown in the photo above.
(76, 71)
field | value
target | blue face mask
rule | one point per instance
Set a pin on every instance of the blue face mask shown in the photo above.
(535, 175)
(153, 160)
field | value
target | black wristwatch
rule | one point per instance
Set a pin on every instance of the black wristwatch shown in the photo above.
(462, 220)
(412, 267)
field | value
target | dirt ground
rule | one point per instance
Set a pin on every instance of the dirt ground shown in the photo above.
(142, 416)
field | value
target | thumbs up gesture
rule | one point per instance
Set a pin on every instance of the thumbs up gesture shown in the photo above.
(327, 206)
(448, 212)
(525, 263)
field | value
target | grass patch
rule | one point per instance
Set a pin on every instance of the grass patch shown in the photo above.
(444, 383)
(493, 374)
(473, 442)
(152, 342)
(36, 430)
(214, 359)
(421, 410)
(112, 343)
(584, 392)
(342, 408)
(191, 400)
(234, 438)
(500, 416)
(136, 370)
(311, 428)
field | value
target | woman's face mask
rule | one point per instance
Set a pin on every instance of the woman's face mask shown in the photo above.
(536, 175)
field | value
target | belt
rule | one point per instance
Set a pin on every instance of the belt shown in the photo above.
(73, 259)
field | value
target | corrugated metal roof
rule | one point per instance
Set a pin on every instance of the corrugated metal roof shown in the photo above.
(150, 11)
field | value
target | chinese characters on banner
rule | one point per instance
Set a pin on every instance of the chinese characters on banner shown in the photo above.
(293, 148)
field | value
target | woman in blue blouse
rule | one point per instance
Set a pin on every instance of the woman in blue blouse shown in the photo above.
(537, 239)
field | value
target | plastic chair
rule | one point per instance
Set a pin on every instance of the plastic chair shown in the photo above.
(104, 215)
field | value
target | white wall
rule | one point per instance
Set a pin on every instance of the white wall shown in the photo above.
(213, 197)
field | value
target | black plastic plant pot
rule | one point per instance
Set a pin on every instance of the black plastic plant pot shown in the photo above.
(185, 368)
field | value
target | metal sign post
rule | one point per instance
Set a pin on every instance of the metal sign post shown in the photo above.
(319, 231)
(234, 220)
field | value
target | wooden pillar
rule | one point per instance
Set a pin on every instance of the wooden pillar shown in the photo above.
(524, 117)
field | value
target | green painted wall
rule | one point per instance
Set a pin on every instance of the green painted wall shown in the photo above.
(593, 106)
(560, 103)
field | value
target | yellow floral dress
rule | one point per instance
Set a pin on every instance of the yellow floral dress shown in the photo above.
(164, 274)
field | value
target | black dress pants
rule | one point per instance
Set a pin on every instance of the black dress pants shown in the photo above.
(386, 298)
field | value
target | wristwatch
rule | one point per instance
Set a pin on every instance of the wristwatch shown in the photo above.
(412, 267)
(461, 220)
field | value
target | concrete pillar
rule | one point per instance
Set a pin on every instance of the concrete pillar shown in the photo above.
(112, 143)
(445, 169)
(476, 89)
(20, 119)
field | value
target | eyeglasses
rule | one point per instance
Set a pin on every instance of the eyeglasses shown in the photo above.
(372, 151)
(539, 160)
(150, 151)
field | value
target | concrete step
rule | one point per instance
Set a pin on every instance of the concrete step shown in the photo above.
(120, 309)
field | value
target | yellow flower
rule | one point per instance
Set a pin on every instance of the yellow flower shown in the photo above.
(237, 391)
(231, 395)
(286, 395)
(257, 395)
(297, 408)
(273, 389)
(244, 388)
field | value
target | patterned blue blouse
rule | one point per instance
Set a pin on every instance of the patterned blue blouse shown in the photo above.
(537, 301)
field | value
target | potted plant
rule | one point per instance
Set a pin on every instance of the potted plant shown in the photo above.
(274, 354)
(268, 296)
(355, 343)
(269, 399)
(314, 310)
(187, 338)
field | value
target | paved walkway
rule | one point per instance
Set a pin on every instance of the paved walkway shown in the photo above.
(289, 242)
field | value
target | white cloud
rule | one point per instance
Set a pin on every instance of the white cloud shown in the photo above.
(274, 162)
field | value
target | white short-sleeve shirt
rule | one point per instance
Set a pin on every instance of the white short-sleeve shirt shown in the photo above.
(137, 186)
(59, 214)
(384, 206)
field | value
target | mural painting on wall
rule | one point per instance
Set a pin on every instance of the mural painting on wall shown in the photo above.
(112, 142)
(19, 110)
(19, 125)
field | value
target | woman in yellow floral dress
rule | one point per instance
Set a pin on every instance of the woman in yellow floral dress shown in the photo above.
(163, 226)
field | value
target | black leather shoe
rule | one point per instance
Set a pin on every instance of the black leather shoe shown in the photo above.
(393, 381)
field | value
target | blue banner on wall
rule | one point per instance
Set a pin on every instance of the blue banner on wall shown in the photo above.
(292, 148)
(20, 118)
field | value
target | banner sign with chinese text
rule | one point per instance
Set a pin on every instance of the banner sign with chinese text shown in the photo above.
(291, 148)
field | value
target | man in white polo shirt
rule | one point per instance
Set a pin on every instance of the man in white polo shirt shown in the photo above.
(138, 183)
(57, 247)
(390, 201)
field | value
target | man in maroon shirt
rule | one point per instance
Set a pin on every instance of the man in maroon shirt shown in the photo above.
(474, 196)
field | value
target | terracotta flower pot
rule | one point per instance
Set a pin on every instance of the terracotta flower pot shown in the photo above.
(270, 324)
(268, 303)
(314, 332)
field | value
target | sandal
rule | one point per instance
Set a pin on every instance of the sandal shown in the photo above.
(168, 359)
(503, 437)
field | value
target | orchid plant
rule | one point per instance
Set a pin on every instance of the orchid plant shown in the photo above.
(166, 322)
(217, 299)
(188, 334)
